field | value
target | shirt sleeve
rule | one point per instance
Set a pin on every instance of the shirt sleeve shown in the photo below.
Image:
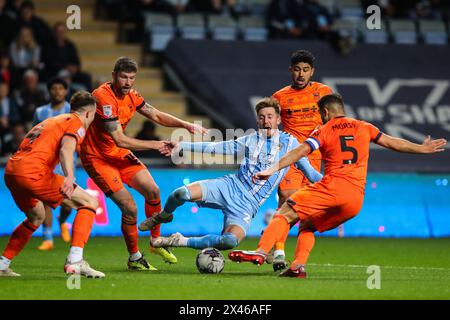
(76, 130)
(308, 170)
(374, 132)
(107, 108)
(138, 100)
(229, 147)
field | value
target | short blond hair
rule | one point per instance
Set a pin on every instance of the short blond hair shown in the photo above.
(267, 102)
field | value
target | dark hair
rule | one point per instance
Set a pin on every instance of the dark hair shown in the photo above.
(56, 80)
(80, 100)
(267, 102)
(302, 56)
(27, 4)
(333, 98)
(124, 64)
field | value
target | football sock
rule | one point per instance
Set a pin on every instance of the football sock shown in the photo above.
(279, 246)
(177, 198)
(224, 242)
(4, 263)
(75, 255)
(19, 238)
(47, 234)
(153, 207)
(130, 233)
(276, 231)
(305, 243)
(82, 226)
(135, 256)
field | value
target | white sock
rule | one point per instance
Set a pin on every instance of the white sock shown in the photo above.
(183, 242)
(75, 254)
(278, 253)
(135, 256)
(4, 263)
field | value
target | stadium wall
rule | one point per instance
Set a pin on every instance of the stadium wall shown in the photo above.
(396, 205)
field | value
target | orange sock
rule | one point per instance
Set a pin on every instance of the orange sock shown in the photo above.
(305, 243)
(82, 225)
(279, 246)
(276, 231)
(19, 238)
(153, 207)
(130, 234)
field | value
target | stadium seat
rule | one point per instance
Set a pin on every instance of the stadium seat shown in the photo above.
(330, 5)
(191, 26)
(350, 9)
(160, 29)
(253, 28)
(258, 7)
(374, 36)
(403, 31)
(433, 32)
(346, 27)
(222, 27)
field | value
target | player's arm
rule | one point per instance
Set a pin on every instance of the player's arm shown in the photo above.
(401, 145)
(168, 120)
(289, 158)
(308, 170)
(68, 147)
(123, 141)
(229, 147)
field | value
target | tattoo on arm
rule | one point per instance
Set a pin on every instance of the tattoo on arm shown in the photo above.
(147, 111)
(111, 126)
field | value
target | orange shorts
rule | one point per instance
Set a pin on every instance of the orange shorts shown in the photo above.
(28, 192)
(327, 203)
(109, 175)
(294, 178)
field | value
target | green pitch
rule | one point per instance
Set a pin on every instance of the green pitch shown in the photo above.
(410, 269)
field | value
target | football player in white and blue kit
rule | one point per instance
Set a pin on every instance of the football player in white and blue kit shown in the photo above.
(237, 195)
(57, 89)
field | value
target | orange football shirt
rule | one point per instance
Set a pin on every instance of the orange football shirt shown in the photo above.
(299, 110)
(110, 107)
(38, 154)
(344, 143)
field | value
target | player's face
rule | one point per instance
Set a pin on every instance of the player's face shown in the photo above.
(269, 120)
(301, 74)
(124, 81)
(57, 93)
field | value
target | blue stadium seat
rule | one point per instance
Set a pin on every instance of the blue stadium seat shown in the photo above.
(222, 27)
(350, 9)
(192, 26)
(258, 7)
(374, 36)
(347, 27)
(433, 32)
(253, 28)
(403, 31)
(160, 28)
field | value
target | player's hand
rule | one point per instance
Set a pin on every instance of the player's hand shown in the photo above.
(432, 146)
(67, 187)
(167, 147)
(262, 175)
(193, 128)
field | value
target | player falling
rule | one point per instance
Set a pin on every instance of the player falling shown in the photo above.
(235, 194)
(338, 197)
(30, 178)
(299, 117)
(107, 156)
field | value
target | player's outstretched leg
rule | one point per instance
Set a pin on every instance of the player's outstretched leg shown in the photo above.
(86, 206)
(47, 232)
(20, 237)
(226, 241)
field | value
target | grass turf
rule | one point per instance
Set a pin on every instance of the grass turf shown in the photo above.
(410, 269)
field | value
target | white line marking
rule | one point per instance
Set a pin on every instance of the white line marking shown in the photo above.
(383, 267)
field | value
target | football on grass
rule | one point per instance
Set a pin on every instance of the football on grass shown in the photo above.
(210, 260)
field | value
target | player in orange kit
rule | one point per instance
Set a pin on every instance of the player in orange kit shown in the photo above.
(338, 197)
(106, 155)
(30, 178)
(299, 116)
